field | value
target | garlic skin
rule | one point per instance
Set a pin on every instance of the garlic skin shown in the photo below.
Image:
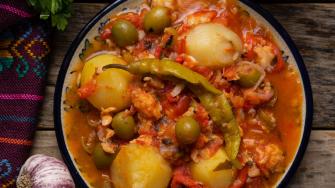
(41, 171)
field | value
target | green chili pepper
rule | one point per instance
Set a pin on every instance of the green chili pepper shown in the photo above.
(232, 139)
(217, 106)
(222, 115)
(166, 68)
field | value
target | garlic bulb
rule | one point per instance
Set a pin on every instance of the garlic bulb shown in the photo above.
(44, 171)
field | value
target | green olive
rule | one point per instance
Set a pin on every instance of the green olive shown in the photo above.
(124, 33)
(124, 125)
(102, 160)
(187, 130)
(248, 75)
(156, 20)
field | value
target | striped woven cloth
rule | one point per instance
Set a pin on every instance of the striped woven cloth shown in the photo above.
(24, 47)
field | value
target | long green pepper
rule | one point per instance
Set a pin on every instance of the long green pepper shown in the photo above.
(222, 115)
(166, 68)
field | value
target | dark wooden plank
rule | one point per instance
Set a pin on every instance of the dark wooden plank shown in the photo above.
(312, 27)
(45, 143)
(46, 120)
(317, 167)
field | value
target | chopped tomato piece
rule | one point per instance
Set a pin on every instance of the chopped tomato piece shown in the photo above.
(182, 106)
(183, 29)
(205, 71)
(182, 177)
(221, 20)
(133, 18)
(180, 47)
(255, 183)
(241, 178)
(203, 16)
(201, 115)
(106, 34)
(158, 52)
(176, 106)
(280, 61)
(180, 59)
(87, 89)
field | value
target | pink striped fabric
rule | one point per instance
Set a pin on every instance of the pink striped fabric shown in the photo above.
(16, 11)
(20, 97)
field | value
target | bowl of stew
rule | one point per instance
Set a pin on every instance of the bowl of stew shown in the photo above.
(183, 94)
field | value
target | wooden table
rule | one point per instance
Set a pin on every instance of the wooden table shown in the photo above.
(312, 27)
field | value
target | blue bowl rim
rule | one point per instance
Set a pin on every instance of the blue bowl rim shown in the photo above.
(264, 13)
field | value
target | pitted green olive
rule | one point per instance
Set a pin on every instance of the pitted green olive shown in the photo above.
(124, 125)
(187, 130)
(124, 33)
(156, 20)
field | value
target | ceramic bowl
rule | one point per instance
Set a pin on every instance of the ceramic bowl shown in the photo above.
(91, 30)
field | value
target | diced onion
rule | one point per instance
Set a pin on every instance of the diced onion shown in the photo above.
(177, 90)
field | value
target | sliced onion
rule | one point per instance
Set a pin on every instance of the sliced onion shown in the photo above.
(116, 53)
(93, 118)
(107, 182)
(88, 143)
(177, 89)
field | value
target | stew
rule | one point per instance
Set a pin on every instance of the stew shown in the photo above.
(183, 94)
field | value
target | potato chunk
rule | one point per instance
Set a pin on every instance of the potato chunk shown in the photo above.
(213, 45)
(164, 3)
(112, 84)
(139, 166)
(206, 171)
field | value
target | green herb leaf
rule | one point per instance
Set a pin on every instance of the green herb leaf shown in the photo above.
(58, 11)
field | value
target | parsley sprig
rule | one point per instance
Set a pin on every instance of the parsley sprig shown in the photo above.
(58, 11)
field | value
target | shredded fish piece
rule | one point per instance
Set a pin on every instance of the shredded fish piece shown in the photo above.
(109, 133)
(254, 171)
(106, 120)
(109, 147)
(177, 89)
(153, 82)
(146, 103)
(108, 110)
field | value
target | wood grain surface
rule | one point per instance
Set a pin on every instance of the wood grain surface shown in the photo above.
(312, 27)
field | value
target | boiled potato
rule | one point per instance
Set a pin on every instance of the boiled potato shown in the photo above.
(139, 166)
(164, 3)
(112, 84)
(213, 45)
(205, 171)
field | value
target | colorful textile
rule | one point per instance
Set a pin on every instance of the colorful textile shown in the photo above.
(24, 48)
(12, 11)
